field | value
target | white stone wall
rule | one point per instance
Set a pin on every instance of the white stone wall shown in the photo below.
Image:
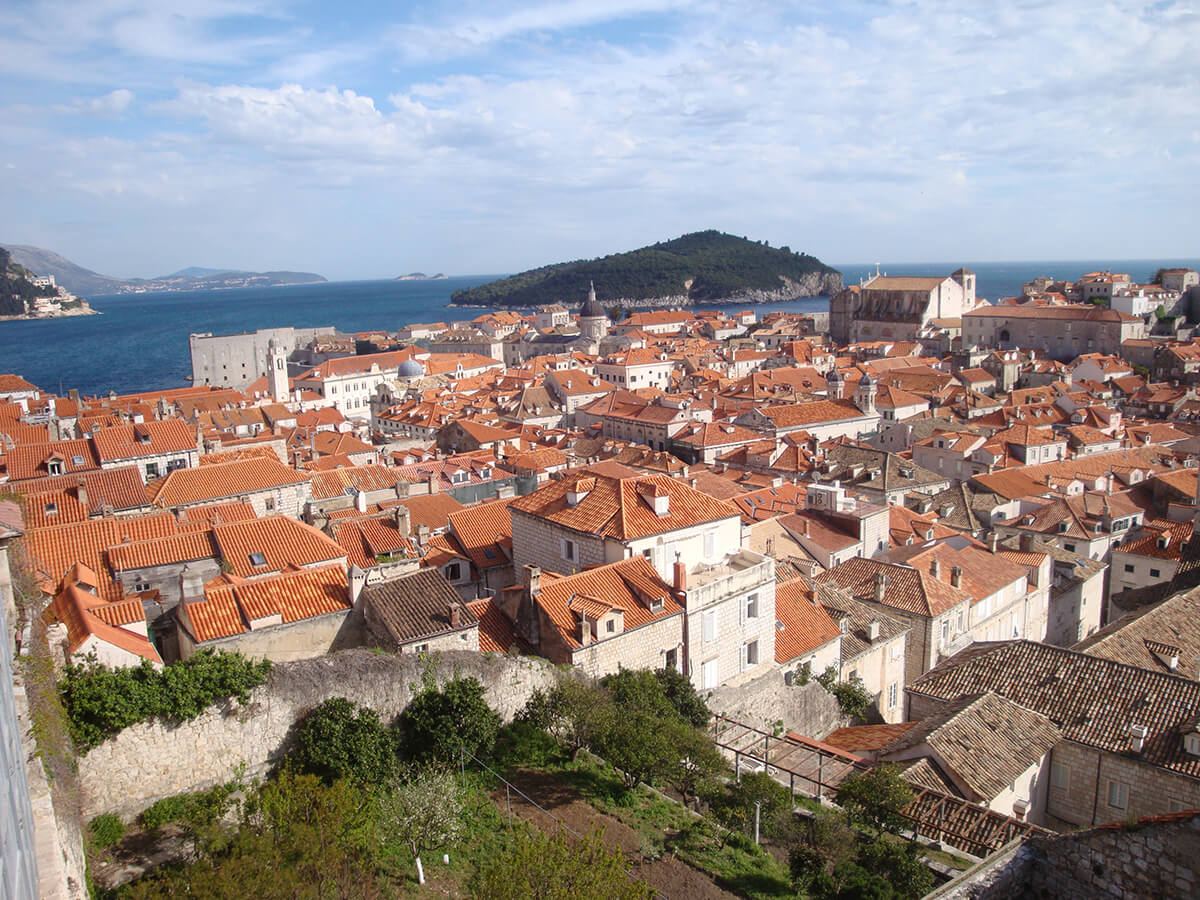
(639, 648)
(878, 669)
(149, 761)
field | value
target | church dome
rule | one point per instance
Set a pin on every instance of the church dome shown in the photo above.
(592, 308)
(411, 368)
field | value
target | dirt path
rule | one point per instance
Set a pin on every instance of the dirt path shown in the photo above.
(672, 878)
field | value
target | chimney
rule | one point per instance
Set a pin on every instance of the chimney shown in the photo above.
(432, 481)
(873, 630)
(935, 567)
(680, 574)
(994, 542)
(1026, 542)
(403, 521)
(1137, 737)
(880, 586)
(360, 501)
(356, 580)
(956, 576)
(533, 580)
(1173, 662)
(455, 616)
(81, 493)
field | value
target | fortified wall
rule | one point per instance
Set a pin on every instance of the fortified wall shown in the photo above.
(152, 760)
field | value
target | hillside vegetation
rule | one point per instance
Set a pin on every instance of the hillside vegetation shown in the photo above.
(706, 266)
(17, 287)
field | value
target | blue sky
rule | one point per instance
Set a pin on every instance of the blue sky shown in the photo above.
(366, 140)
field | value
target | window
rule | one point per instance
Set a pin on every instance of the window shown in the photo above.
(140, 584)
(151, 470)
(709, 620)
(893, 693)
(708, 674)
(176, 464)
(672, 659)
(269, 504)
(1060, 777)
(421, 648)
(1118, 795)
(257, 559)
(611, 626)
(1128, 567)
(452, 571)
(52, 509)
(752, 606)
(945, 631)
(1154, 573)
(1070, 548)
(752, 654)
(569, 550)
(710, 545)
(77, 460)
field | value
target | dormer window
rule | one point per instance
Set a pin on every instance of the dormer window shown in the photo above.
(258, 560)
(485, 472)
(55, 467)
(1191, 743)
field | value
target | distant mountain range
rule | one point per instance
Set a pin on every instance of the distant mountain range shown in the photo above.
(86, 283)
(703, 267)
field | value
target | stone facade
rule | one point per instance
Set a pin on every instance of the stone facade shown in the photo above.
(235, 360)
(304, 639)
(766, 700)
(149, 761)
(1154, 858)
(638, 648)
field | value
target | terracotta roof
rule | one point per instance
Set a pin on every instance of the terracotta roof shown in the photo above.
(76, 609)
(1092, 700)
(485, 533)
(806, 625)
(630, 584)
(228, 608)
(162, 551)
(811, 413)
(984, 742)
(623, 509)
(860, 738)
(144, 439)
(55, 550)
(1149, 637)
(25, 461)
(496, 633)
(906, 588)
(416, 606)
(281, 542)
(344, 481)
(207, 483)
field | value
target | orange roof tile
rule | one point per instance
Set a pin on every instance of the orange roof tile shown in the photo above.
(806, 624)
(208, 483)
(281, 542)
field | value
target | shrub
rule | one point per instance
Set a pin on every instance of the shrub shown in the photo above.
(875, 798)
(681, 694)
(851, 696)
(101, 701)
(557, 868)
(339, 739)
(439, 724)
(106, 829)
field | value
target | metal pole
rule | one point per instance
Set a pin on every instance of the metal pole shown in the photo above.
(508, 802)
(757, 815)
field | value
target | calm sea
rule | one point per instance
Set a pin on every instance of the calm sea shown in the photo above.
(140, 343)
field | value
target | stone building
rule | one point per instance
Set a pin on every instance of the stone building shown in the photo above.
(418, 613)
(236, 360)
(1061, 332)
(898, 308)
(1130, 741)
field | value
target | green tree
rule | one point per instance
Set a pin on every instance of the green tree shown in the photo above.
(339, 739)
(700, 762)
(876, 798)
(441, 723)
(424, 809)
(574, 711)
(899, 864)
(300, 839)
(682, 694)
(558, 868)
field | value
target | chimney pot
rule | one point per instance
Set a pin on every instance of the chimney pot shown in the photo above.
(680, 574)
(455, 617)
(956, 574)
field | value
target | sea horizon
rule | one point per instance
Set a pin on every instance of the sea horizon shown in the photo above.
(140, 342)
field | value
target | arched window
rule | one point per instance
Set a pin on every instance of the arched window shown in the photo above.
(1005, 336)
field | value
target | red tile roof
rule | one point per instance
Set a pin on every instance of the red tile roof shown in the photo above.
(122, 442)
(806, 624)
(281, 541)
(623, 509)
(202, 484)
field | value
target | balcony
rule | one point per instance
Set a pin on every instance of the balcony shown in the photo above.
(738, 573)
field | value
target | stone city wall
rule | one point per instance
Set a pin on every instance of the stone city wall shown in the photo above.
(152, 760)
(807, 709)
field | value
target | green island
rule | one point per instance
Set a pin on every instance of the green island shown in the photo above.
(703, 267)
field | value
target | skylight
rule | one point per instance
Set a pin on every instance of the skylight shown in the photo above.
(257, 559)
(77, 460)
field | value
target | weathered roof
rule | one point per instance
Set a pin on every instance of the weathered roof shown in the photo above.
(1092, 700)
(805, 624)
(417, 606)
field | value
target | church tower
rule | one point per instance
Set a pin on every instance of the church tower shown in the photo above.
(593, 320)
(277, 376)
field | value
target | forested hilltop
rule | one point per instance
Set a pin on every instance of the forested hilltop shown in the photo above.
(707, 266)
(18, 287)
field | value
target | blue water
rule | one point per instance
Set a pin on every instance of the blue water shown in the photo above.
(140, 343)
